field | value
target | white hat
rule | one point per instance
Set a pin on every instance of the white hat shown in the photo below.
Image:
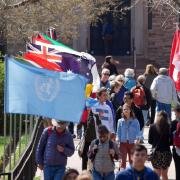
(56, 122)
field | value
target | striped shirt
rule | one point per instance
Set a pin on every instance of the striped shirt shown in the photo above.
(106, 116)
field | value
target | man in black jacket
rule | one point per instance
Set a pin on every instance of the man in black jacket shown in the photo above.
(90, 135)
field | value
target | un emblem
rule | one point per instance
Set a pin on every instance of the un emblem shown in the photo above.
(47, 89)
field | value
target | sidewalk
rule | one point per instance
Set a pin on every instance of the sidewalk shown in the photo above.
(75, 160)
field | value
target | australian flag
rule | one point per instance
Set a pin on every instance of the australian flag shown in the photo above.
(68, 62)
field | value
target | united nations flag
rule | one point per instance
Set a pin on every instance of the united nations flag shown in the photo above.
(31, 90)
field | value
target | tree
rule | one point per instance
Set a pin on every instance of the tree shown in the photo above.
(22, 18)
(172, 6)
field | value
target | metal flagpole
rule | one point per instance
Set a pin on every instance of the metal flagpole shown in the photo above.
(20, 129)
(4, 158)
(26, 120)
(31, 124)
(10, 146)
(14, 139)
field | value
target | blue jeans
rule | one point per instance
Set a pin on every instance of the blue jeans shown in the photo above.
(54, 172)
(100, 176)
(145, 115)
(163, 107)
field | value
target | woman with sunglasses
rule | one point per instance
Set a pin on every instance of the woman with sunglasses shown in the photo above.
(104, 81)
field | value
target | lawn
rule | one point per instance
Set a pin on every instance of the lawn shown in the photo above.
(16, 156)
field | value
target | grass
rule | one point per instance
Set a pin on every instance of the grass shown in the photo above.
(16, 156)
(3, 140)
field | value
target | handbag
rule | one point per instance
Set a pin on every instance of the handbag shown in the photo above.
(81, 146)
(153, 151)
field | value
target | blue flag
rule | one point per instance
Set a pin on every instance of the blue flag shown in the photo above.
(30, 90)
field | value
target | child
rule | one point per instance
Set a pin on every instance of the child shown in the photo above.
(128, 132)
(71, 174)
(102, 152)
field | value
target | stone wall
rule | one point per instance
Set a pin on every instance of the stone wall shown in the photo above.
(160, 37)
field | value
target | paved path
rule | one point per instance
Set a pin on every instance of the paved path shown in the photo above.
(75, 160)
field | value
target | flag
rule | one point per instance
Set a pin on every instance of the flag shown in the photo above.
(91, 102)
(40, 62)
(56, 60)
(45, 52)
(174, 67)
(31, 90)
(90, 61)
(39, 38)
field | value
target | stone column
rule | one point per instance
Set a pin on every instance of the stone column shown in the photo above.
(81, 43)
(137, 26)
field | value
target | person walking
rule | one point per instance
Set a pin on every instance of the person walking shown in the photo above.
(128, 99)
(120, 78)
(104, 111)
(138, 170)
(130, 82)
(109, 63)
(104, 81)
(115, 88)
(164, 91)
(160, 139)
(128, 133)
(142, 99)
(90, 134)
(55, 145)
(150, 74)
(102, 153)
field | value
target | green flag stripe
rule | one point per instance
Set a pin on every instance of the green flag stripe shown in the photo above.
(55, 42)
(22, 60)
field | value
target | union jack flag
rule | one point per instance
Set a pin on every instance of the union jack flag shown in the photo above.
(44, 52)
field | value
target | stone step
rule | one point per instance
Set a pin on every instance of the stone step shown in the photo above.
(128, 62)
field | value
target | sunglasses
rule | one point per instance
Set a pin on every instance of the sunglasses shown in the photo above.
(106, 74)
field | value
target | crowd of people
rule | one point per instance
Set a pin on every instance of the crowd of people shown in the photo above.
(114, 129)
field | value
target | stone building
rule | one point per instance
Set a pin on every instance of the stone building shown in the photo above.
(148, 29)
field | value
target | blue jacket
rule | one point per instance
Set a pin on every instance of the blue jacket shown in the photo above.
(106, 85)
(129, 83)
(47, 153)
(130, 174)
(128, 130)
(120, 95)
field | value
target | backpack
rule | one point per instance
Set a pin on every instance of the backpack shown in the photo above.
(139, 96)
(50, 130)
(176, 137)
(111, 146)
